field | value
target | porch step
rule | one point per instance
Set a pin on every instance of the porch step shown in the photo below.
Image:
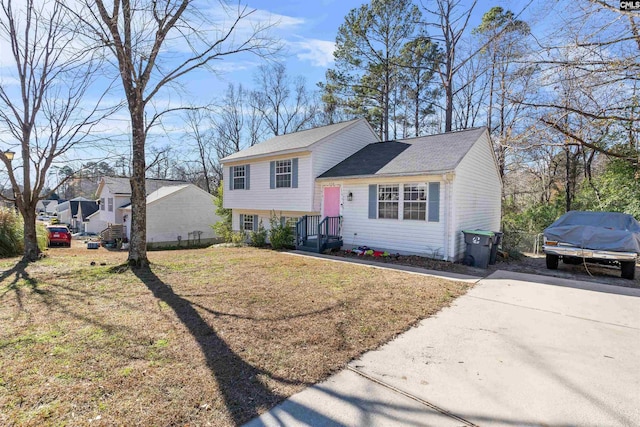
(313, 247)
(332, 244)
(308, 248)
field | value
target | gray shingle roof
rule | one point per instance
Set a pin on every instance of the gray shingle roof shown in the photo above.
(427, 154)
(368, 160)
(118, 185)
(290, 141)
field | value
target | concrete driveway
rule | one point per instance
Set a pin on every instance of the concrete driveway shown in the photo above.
(516, 350)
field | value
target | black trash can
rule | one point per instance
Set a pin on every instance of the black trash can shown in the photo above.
(497, 240)
(479, 244)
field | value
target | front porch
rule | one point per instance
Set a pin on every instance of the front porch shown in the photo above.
(314, 234)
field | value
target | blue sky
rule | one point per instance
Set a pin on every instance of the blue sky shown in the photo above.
(308, 30)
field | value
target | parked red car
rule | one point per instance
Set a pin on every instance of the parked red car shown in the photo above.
(59, 235)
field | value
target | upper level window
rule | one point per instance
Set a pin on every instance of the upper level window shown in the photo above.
(102, 205)
(110, 204)
(415, 201)
(388, 196)
(239, 175)
(283, 173)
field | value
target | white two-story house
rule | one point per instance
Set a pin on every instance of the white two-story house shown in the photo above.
(280, 174)
(346, 188)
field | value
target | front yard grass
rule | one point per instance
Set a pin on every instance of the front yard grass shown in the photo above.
(205, 337)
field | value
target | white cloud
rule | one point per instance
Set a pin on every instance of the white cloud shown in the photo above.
(9, 81)
(318, 52)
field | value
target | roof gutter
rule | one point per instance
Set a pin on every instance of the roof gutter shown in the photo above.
(387, 175)
(226, 160)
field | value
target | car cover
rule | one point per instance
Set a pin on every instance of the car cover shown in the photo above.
(607, 231)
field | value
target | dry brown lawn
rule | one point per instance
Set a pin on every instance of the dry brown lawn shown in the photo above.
(205, 337)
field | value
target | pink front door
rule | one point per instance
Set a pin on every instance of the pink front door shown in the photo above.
(331, 201)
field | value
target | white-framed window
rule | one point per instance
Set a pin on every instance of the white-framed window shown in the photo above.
(414, 202)
(291, 221)
(247, 223)
(388, 198)
(110, 204)
(239, 176)
(102, 205)
(283, 173)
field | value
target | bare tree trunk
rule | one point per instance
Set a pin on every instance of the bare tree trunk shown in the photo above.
(138, 243)
(31, 249)
(135, 35)
(25, 205)
(567, 151)
(386, 95)
(448, 113)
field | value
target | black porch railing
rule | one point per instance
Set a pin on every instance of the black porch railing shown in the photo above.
(315, 235)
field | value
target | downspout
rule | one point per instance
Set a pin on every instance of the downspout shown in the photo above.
(448, 215)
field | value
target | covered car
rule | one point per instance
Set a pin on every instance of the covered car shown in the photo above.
(601, 237)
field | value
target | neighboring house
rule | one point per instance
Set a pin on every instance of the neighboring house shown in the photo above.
(178, 215)
(67, 211)
(114, 193)
(410, 196)
(176, 211)
(47, 206)
(84, 210)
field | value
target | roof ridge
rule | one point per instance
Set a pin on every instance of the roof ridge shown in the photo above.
(441, 133)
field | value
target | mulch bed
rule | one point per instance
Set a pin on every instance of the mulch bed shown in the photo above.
(412, 261)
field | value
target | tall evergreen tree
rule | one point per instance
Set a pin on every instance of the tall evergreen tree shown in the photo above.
(368, 47)
(418, 59)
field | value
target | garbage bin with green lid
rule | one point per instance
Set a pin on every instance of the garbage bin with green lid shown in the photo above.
(497, 240)
(479, 244)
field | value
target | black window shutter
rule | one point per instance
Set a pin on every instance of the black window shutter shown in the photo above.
(231, 178)
(255, 223)
(247, 178)
(241, 222)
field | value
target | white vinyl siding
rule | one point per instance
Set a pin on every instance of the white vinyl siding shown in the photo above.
(261, 197)
(183, 213)
(113, 216)
(477, 195)
(399, 235)
(329, 153)
(290, 217)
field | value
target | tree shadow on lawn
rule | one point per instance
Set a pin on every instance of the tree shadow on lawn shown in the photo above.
(239, 382)
(22, 280)
(20, 275)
